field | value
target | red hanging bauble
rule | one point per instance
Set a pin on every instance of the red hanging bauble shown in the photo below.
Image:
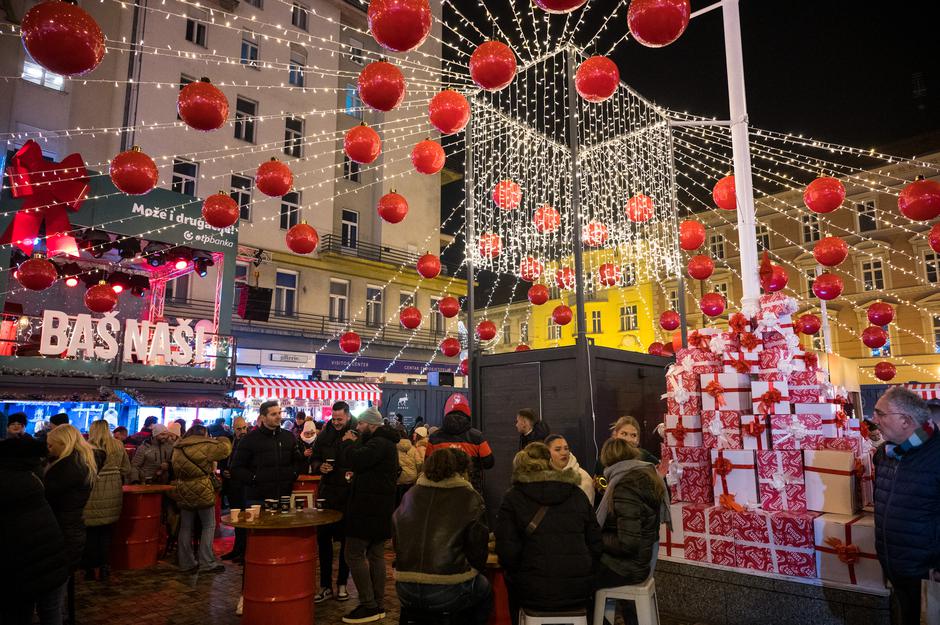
(559, 6)
(449, 112)
(546, 219)
(831, 251)
(824, 195)
(486, 330)
(657, 23)
(492, 65)
(63, 38)
(36, 274)
(669, 320)
(399, 25)
(538, 294)
(724, 194)
(381, 85)
(428, 157)
(564, 278)
(712, 304)
(362, 144)
(596, 79)
(655, 348)
(530, 269)
(507, 195)
(220, 211)
(640, 208)
(827, 286)
(562, 315)
(490, 245)
(594, 234)
(609, 275)
(350, 343)
(302, 238)
(450, 347)
(202, 105)
(934, 238)
(808, 324)
(676, 343)
(880, 314)
(274, 178)
(885, 371)
(522, 347)
(465, 366)
(691, 235)
(920, 200)
(775, 280)
(101, 298)
(449, 307)
(133, 172)
(701, 267)
(393, 207)
(429, 266)
(874, 337)
(410, 317)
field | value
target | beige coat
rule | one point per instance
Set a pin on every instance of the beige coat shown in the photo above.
(104, 504)
(193, 460)
(410, 461)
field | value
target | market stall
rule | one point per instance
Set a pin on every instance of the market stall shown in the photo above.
(315, 398)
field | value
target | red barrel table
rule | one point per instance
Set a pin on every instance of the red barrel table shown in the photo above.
(136, 543)
(280, 566)
(307, 484)
(494, 573)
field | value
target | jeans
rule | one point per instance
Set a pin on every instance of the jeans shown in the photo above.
(49, 605)
(473, 597)
(366, 560)
(326, 536)
(907, 592)
(185, 547)
(97, 546)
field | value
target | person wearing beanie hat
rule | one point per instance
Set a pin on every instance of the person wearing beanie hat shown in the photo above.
(456, 432)
(16, 425)
(151, 462)
(174, 429)
(59, 419)
(420, 440)
(305, 443)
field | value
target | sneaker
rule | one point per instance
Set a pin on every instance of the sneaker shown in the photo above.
(363, 614)
(323, 595)
(341, 593)
(241, 604)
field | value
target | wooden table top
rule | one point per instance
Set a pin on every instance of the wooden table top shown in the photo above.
(278, 521)
(144, 489)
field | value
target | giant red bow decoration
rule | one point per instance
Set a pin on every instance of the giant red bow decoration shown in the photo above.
(847, 554)
(768, 399)
(49, 190)
(679, 433)
(716, 390)
(740, 365)
(738, 323)
(749, 340)
(754, 428)
(722, 466)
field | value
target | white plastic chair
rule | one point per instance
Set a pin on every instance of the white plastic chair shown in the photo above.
(642, 595)
(532, 617)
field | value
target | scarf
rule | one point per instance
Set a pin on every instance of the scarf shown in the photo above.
(920, 436)
(613, 474)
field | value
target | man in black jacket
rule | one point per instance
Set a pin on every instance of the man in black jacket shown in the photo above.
(531, 428)
(373, 459)
(234, 491)
(267, 460)
(456, 433)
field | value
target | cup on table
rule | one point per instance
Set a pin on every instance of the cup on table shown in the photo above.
(234, 513)
(253, 513)
(320, 504)
(270, 505)
(284, 506)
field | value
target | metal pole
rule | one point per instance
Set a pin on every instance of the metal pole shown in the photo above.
(469, 245)
(575, 199)
(747, 230)
(680, 299)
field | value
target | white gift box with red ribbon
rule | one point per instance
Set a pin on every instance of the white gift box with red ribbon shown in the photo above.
(683, 430)
(845, 550)
(830, 481)
(770, 397)
(795, 431)
(672, 542)
(833, 421)
(739, 361)
(726, 391)
(734, 475)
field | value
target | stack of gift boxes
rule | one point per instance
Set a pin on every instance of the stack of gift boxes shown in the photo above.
(765, 470)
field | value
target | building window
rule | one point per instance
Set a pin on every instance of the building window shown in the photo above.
(290, 210)
(285, 293)
(763, 237)
(507, 334)
(932, 266)
(596, 322)
(294, 136)
(873, 276)
(809, 275)
(350, 169)
(353, 103)
(716, 246)
(184, 80)
(35, 73)
(866, 216)
(437, 319)
(721, 288)
(196, 32)
(249, 55)
(240, 191)
(405, 300)
(553, 330)
(296, 68)
(629, 320)
(177, 290)
(184, 176)
(245, 113)
(349, 231)
(936, 334)
(819, 342)
(355, 51)
(339, 299)
(298, 16)
(885, 350)
(629, 275)
(374, 315)
(524, 332)
(673, 299)
(810, 228)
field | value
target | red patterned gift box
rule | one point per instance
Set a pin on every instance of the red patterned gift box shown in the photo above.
(751, 343)
(779, 304)
(834, 422)
(709, 534)
(724, 342)
(780, 480)
(698, 360)
(830, 480)
(683, 430)
(735, 477)
(672, 541)
(792, 431)
(775, 542)
(845, 550)
(688, 474)
(721, 429)
(682, 402)
(770, 397)
(784, 338)
(726, 391)
(755, 433)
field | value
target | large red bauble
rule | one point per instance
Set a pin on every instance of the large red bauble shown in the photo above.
(669, 320)
(712, 304)
(676, 343)
(594, 234)
(202, 105)
(640, 208)
(350, 343)
(492, 65)
(655, 348)
(724, 194)
(559, 6)
(920, 200)
(428, 157)
(538, 294)
(302, 238)
(562, 315)
(362, 144)
(399, 25)
(486, 330)
(691, 235)
(885, 371)
(410, 317)
(827, 286)
(522, 347)
(530, 269)
(101, 298)
(546, 219)
(808, 324)
(609, 275)
(450, 347)
(596, 79)
(429, 266)
(657, 23)
(381, 85)
(874, 337)
(831, 251)
(775, 280)
(564, 278)
(701, 267)
(36, 274)
(133, 172)
(274, 178)
(449, 307)
(880, 314)
(465, 366)
(490, 245)
(63, 38)
(220, 211)
(824, 195)
(934, 238)
(507, 194)
(449, 112)
(393, 207)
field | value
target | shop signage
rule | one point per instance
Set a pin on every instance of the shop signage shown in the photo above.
(206, 235)
(301, 359)
(338, 362)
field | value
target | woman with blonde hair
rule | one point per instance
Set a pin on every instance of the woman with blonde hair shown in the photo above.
(628, 429)
(104, 506)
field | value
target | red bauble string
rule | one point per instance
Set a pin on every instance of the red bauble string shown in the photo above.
(133, 172)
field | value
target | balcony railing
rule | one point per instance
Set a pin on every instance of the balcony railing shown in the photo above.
(333, 244)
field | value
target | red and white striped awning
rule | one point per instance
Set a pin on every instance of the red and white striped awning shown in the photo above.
(307, 389)
(927, 391)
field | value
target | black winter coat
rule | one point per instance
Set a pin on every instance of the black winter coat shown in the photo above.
(554, 567)
(539, 433)
(266, 463)
(632, 526)
(374, 462)
(67, 491)
(457, 433)
(334, 487)
(907, 510)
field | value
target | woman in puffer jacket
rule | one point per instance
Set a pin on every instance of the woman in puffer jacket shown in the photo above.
(410, 461)
(104, 506)
(563, 459)
(194, 490)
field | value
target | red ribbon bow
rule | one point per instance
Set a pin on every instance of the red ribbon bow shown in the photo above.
(811, 360)
(698, 340)
(716, 390)
(858, 469)
(847, 554)
(863, 429)
(768, 399)
(740, 365)
(49, 190)
(754, 428)
(722, 466)
(841, 420)
(749, 340)
(679, 433)
(737, 323)
(728, 501)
